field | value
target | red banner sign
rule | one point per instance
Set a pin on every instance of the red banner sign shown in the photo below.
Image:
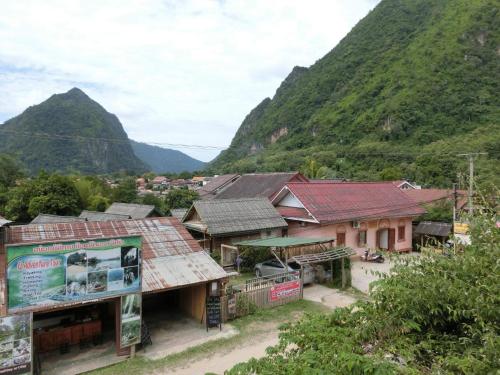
(284, 290)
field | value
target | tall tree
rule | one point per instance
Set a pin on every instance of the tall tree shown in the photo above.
(48, 194)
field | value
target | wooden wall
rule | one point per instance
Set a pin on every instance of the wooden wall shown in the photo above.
(192, 301)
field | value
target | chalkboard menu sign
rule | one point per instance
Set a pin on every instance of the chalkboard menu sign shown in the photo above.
(213, 311)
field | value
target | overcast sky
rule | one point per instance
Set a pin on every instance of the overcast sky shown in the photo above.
(176, 72)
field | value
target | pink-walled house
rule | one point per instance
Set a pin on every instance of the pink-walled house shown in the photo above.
(361, 215)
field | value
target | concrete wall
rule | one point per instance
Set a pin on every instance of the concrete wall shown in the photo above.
(351, 234)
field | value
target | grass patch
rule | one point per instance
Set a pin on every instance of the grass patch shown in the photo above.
(241, 278)
(248, 326)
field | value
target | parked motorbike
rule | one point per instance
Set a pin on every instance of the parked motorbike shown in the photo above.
(377, 258)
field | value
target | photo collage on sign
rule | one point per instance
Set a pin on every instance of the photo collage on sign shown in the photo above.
(15, 341)
(97, 271)
(130, 320)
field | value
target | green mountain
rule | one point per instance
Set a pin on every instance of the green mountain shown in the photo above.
(413, 84)
(164, 160)
(69, 133)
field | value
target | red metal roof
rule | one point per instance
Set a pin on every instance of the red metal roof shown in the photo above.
(296, 212)
(423, 196)
(165, 243)
(340, 202)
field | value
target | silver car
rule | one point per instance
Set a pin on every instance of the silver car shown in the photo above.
(273, 267)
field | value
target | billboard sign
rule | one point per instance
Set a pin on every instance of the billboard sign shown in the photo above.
(130, 327)
(284, 290)
(15, 344)
(49, 274)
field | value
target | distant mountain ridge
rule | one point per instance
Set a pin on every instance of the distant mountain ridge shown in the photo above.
(164, 160)
(412, 85)
(71, 133)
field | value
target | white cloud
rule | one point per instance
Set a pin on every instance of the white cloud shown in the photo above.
(183, 72)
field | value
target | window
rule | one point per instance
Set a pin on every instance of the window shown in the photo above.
(362, 238)
(401, 233)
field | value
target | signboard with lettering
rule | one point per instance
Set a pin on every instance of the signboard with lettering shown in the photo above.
(130, 327)
(15, 344)
(55, 273)
(284, 290)
(213, 311)
(460, 228)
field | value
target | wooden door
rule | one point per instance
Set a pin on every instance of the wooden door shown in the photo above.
(340, 239)
(392, 239)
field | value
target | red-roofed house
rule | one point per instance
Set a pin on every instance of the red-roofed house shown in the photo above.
(433, 196)
(374, 215)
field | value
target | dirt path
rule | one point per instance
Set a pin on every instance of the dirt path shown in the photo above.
(255, 345)
(220, 362)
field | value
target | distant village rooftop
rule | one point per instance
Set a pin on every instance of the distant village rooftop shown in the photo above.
(134, 210)
(47, 219)
(254, 185)
(102, 216)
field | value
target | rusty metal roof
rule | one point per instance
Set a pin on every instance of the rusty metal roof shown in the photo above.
(171, 256)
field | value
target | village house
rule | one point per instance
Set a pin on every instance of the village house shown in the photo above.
(140, 183)
(160, 183)
(133, 210)
(254, 185)
(102, 216)
(226, 221)
(405, 185)
(48, 218)
(360, 215)
(79, 285)
(429, 197)
(216, 184)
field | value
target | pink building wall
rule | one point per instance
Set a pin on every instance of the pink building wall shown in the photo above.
(351, 234)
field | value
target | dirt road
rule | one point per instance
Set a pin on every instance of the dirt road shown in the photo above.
(222, 361)
(255, 345)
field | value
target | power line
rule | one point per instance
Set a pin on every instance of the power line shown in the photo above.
(49, 136)
(339, 155)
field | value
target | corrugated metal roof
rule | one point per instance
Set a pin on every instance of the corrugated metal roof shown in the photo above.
(340, 202)
(209, 190)
(102, 216)
(165, 240)
(231, 216)
(46, 218)
(433, 228)
(178, 212)
(425, 196)
(285, 241)
(254, 185)
(134, 210)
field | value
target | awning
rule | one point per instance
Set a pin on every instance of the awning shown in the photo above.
(285, 241)
(432, 228)
(179, 270)
(325, 256)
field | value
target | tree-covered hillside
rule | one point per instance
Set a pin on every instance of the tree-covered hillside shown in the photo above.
(164, 160)
(69, 133)
(414, 84)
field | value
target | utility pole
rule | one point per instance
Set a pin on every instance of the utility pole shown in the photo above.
(471, 156)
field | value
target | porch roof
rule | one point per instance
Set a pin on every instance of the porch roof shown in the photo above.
(285, 241)
(325, 256)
